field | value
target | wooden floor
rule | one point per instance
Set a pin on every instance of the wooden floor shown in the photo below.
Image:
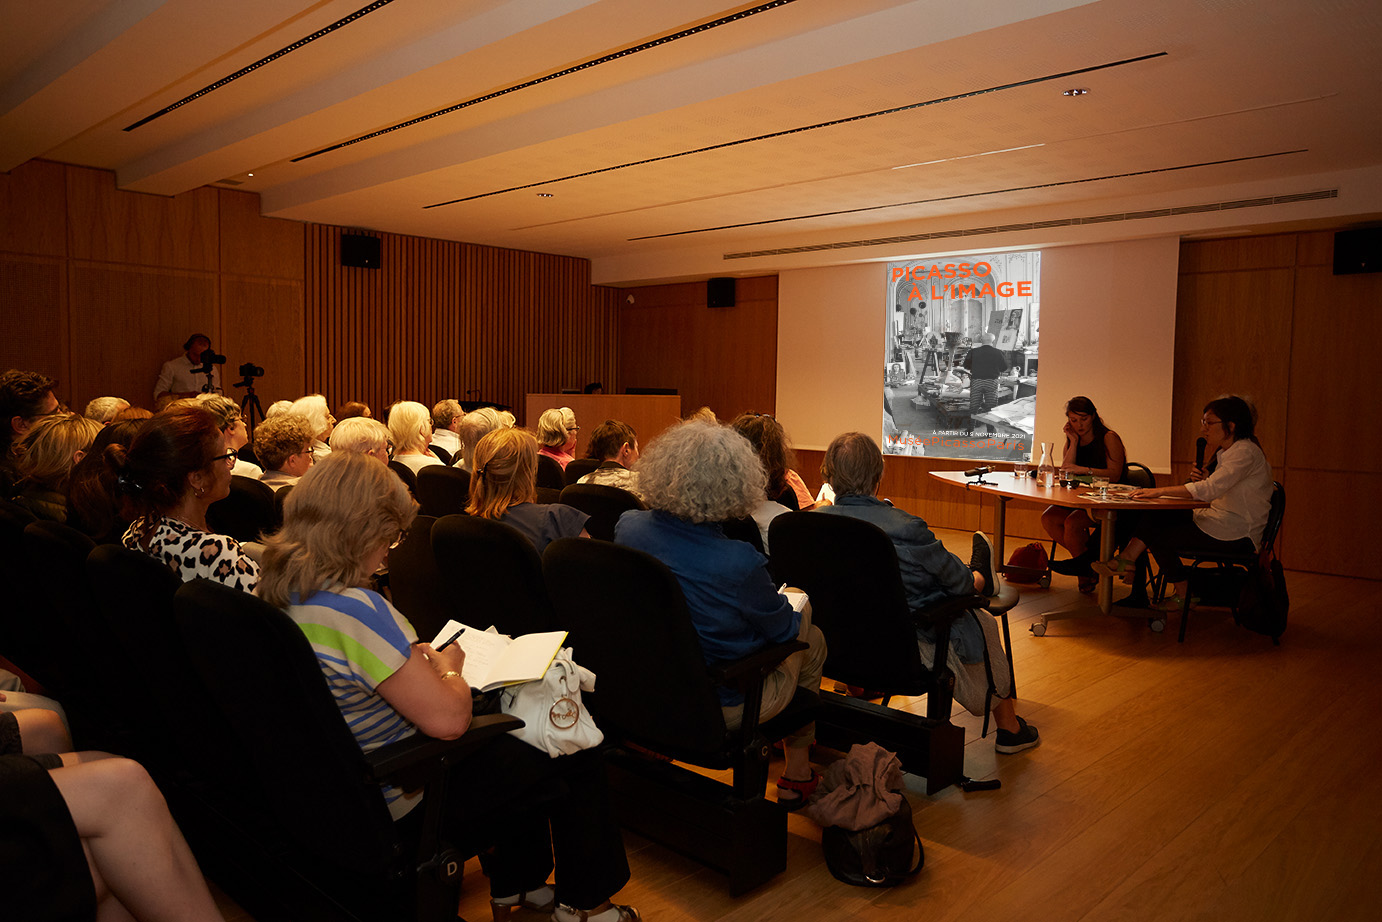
(1220, 779)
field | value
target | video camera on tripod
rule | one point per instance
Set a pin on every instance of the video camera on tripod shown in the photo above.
(210, 359)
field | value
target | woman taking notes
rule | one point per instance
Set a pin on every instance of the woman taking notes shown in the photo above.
(1237, 484)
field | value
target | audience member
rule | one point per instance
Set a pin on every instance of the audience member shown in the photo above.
(314, 407)
(25, 396)
(594, 387)
(351, 410)
(411, 427)
(175, 468)
(277, 407)
(475, 426)
(705, 415)
(283, 444)
(103, 409)
(233, 428)
(363, 435)
(615, 445)
(339, 524)
(556, 430)
(692, 476)
(854, 467)
(1236, 482)
(179, 377)
(768, 438)
(129, 413)
(45, 458)
(94, 504)
(1091, 448)
(504, 486)
(446, 426)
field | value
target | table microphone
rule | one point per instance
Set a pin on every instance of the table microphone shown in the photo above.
(977, 472)
(1200, 444)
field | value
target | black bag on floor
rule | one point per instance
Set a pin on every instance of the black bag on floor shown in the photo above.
(877, 856)
(1264, 603)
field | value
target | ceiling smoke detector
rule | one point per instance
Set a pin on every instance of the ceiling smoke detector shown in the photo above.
(1076, 91)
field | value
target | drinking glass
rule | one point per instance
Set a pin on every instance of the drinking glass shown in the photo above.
(1100, 483)
(1020, 467)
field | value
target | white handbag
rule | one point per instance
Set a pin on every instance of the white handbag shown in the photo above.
(554, 719)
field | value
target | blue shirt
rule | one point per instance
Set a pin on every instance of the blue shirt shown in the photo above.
(930, 573)
(731, 598)
(544, 523)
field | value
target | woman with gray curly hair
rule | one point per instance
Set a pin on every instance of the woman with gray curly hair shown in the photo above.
(692, 477)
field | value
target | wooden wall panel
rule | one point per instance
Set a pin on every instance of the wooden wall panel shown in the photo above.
(127, 321)
(1334, 342)
(109, 225)
(443, 319)
(1274, 251)
(1233, 335)
(723, 358)
(33, 321)
(31, 201)
(253, 245)
(263, 324)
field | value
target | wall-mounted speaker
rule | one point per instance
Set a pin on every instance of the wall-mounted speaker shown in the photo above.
(719, 292)
(1358, 251)
(360, 251)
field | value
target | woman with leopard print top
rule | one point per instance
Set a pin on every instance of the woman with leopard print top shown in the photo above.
(174, 469)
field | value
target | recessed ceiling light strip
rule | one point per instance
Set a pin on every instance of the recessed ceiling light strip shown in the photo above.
(964, 195)
(320, 33)
(778, 134)
(584, 65)
(1039, 225)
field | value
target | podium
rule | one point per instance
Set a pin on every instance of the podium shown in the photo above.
(648, 414)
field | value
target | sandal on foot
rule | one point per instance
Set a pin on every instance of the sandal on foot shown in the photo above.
(1116, 567)
(564, 913)
(798, 791)
(1173, 603)
(502, 906)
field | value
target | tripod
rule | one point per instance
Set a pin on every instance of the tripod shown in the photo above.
(251, 411)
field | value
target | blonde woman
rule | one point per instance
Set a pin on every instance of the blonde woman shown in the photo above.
(314, 407)
(364, 436)
(557, 431)
(410, 424)
(504, 485)
(339, 523)
(47, 454)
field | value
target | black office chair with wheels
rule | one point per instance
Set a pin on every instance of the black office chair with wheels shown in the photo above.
(1231, 570)
(655, 693)
(549, 473)
(603, 504)
(507, 590)
(442, 490)
(849, 569)
(336, 843)
(578, 469)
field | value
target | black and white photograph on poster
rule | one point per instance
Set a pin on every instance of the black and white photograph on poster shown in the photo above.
(960, 362)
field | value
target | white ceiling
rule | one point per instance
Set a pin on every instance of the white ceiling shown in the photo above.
(1215, 100)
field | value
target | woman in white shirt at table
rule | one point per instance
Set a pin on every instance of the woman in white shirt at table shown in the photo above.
(1237, 484)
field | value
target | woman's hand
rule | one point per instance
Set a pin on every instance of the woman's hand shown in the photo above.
(1069, 431)
(1146, 493)
(449, 659)
(1196, 474)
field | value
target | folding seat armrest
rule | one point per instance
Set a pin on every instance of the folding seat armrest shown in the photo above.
(946, 611)
(411, 762)
(755, 666)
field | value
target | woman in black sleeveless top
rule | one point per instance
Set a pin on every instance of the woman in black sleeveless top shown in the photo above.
(1090, 448)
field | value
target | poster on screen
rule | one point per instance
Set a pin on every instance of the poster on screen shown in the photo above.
(938, 309)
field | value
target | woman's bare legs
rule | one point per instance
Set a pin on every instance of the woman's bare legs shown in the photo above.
(139, 860)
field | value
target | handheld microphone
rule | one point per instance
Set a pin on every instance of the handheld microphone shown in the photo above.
(976, 472)
(1200, 444)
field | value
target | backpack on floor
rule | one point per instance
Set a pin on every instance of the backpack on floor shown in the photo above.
(881, 855)
(1027, 564)
(1263, 602)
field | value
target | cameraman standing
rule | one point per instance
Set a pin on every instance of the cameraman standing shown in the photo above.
(186, 375)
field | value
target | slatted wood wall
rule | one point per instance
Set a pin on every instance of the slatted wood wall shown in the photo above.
(99, 287)
(443, 319)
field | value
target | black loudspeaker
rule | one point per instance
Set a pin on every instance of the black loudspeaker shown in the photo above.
(360, 251)
(1358, 251)
(719, 293)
